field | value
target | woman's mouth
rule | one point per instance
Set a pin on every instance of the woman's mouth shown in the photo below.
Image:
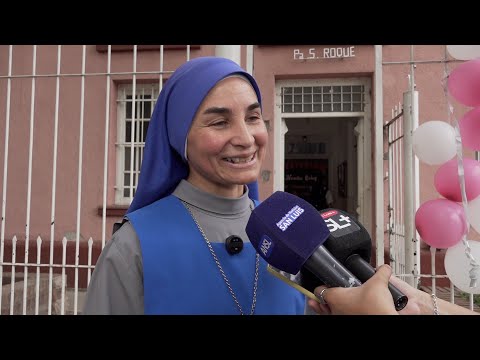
(241, 160)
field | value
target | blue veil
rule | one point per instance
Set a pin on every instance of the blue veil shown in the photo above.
(164, 164)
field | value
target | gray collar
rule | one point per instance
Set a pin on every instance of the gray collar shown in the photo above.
(210, 202)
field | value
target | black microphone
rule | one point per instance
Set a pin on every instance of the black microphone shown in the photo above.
(289, 233)
(351, 244)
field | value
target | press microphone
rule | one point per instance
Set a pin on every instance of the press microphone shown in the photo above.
(351, 244)
(288, 233)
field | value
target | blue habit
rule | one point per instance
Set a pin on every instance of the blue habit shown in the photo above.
(181, 276)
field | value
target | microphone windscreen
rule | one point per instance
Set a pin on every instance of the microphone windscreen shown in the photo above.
(285, 230)
(347, 235)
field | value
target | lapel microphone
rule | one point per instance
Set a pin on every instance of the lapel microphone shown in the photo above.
(233, 244)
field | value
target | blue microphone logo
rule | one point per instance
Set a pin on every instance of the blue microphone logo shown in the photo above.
(290, 217)
(266, 246)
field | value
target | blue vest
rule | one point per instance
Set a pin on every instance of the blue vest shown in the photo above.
(180, 275)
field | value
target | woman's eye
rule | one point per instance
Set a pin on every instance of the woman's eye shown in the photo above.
(219, 123)
(254, 118)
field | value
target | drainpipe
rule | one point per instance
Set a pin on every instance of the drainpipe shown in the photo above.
(379, 202)
(232, 52)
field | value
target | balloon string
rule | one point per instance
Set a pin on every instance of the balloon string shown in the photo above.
(474, 272)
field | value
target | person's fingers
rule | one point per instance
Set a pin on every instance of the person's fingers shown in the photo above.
(320, 292)
(315, 306)
(319, 308)
(384, 272)
(402, 285)
(325, 309)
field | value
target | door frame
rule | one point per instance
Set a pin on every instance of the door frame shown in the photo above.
(363, 131)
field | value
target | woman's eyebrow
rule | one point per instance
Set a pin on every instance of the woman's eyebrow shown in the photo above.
(253, 106)
(224, 110)
(217, 110)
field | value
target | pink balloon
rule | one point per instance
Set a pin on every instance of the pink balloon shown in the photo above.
(470, 129)
(464, 83)
(447, 182)
(441, 223)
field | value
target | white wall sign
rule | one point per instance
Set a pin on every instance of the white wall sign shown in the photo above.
(325, 53)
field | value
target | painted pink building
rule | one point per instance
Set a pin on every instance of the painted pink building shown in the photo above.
(324, 110)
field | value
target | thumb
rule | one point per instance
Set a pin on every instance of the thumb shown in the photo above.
(384, 272)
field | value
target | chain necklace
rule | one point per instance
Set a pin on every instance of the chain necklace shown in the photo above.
(227, 282)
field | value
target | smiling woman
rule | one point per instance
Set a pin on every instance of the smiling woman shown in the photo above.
(198, 185)
(227, 140)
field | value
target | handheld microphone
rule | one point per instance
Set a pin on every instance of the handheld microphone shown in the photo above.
(351, 244)
(289, 234)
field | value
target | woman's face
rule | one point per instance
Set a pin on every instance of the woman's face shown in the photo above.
(227, 141)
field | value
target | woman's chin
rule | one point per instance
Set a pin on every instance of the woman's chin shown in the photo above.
(248, 178)
(243, 180)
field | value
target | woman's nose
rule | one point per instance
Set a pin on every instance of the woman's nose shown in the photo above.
(243, 135)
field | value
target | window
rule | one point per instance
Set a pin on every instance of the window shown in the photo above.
(305, 99)
(133, 120)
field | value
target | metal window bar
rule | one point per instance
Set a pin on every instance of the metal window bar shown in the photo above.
(64, 277)
(79, 183)
(12, 277)
(54, 180)
(160, 76)
(5, 169)
(37, 279)
(311, 99)
(132, 129)
(105, 155)
(400, 233)
(89, 74)
(29, 185)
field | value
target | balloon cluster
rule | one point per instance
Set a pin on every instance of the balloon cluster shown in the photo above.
(444, 222)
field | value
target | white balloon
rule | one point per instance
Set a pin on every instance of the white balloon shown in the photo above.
(434, 142)
(464, 52)
(474, 213)
(457, 265)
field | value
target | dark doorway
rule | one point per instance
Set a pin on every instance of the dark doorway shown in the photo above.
(308, 179)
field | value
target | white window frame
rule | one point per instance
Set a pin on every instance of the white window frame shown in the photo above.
(125, 90)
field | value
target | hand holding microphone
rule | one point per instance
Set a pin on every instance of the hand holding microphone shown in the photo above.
(372, 298)
(351, 244)
(290, 235)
